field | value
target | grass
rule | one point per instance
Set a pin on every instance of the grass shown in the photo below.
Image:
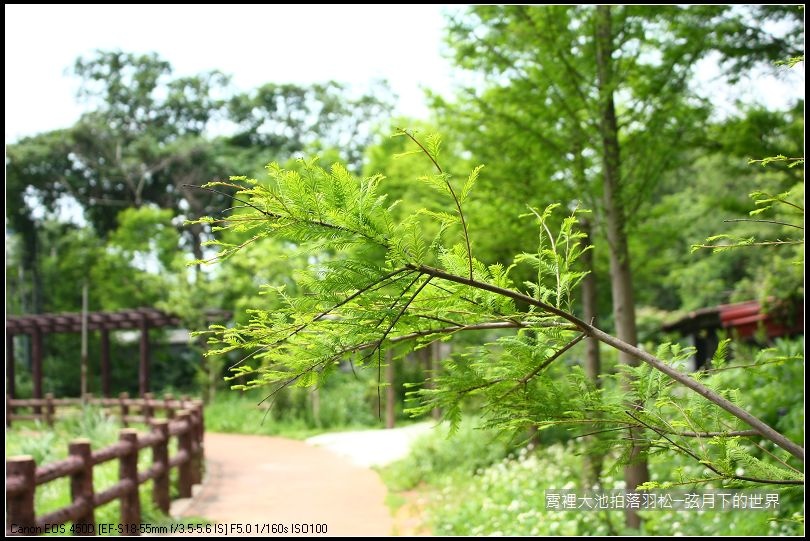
(435, 456)
(394, 501)
(232, 413)
(347, 404)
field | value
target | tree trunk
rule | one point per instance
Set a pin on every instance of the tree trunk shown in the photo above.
(435, 365)
(621, 280)
(196, 247)
(593, 367)
(390, 391)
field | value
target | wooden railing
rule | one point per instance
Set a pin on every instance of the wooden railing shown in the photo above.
(184, 420)
(45, 409)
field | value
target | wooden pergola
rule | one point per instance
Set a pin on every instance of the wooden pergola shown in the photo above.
(38, 325)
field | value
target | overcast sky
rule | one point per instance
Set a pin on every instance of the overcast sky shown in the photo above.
(255, 44)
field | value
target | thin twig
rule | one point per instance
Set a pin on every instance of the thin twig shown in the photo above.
(290, 217)
(785, 464)
(625, 425)
(711, 466)
(524, 380)
(751, 365)
(399, 315)
(371, 287)
(763, 222)
(747, 245)
(452, 193)
(207, 189)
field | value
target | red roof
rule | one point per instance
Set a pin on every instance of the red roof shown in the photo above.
(744, 318)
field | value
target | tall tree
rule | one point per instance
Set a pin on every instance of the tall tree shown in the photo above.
(558, 85)
(621, 279)
(147, 139)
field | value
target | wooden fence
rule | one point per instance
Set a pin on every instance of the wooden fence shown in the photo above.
(45, 409)
(183, 420)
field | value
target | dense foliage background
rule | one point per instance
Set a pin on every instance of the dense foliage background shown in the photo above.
(594, 108)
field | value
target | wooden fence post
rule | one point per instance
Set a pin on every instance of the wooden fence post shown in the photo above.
(201, 426)
(168, 398)
(81, 485)
(200, 439)
(147, 410)
(196, 448)
(50, 410)
(128, 471)
(184, 477)
(122, 399)
(9, 410)
(20, 504)
(160, 457)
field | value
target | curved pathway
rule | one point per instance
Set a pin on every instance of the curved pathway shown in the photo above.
(271, 480)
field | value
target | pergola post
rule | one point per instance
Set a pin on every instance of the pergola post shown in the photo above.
(105, 363)
(9, 364)
(36, 363)
(143, 368)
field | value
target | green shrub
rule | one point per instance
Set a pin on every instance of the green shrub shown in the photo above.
(436, 455)
(482, 493)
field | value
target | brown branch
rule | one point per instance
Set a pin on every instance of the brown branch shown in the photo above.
(514, 295)
(476, 327)
(399, 314)
(593, 332)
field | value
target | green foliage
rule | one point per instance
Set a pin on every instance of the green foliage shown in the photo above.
(507, 497)
(344, 402)
(103, 201)
(376, 291)
(791, 162)
(765, 202)
(445, 453)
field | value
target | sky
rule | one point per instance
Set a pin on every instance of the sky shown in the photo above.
(353, 44)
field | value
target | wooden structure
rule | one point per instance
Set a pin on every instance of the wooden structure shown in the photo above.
(746, 321)
(36, 326)
(184, 421)
(129, 410)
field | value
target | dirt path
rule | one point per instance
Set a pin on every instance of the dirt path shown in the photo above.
(269, 480)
